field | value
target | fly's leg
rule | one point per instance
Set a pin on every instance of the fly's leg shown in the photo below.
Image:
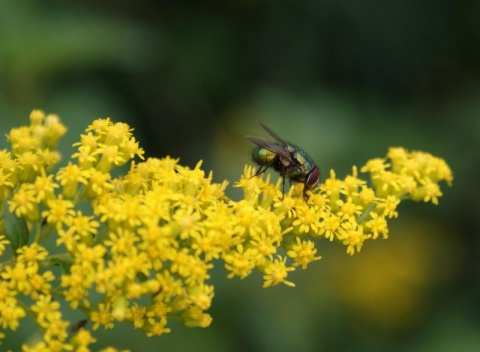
(305, 196)
(260, 171)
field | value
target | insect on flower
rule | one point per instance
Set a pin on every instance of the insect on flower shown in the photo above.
(289, 160)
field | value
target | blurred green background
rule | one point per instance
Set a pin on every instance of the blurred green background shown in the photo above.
(345, 80)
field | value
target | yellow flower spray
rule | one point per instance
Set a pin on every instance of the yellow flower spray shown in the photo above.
(157, 231)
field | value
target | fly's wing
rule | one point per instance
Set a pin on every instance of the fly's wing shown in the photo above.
(273, 134)
(276, 148)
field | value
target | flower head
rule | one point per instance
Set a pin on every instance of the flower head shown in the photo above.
(140, 247)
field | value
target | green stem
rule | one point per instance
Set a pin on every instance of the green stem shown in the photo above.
(101, 235)
(31, 315)
(56, 259)
(363, 217)
(81, 195)
(38, 231)
(44, 231)
(5, 264)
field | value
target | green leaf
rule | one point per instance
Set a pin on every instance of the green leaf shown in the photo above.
(16, 230)
(141, 277)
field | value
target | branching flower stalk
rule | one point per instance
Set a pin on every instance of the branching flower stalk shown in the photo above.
(139, 248)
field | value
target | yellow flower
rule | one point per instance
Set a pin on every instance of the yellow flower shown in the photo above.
(31, 254)
(287, 205)
(102, 316)
(11, 313)
(332, 187)
(24, 203)
(90, 257)
(264, 244)
(140, 247)
(157, 244)
(5, 178)
(348, 209)
(36, 117)
(198, 272)
(87, 156)
(240, 262)
(119, 307)
(18, 276)
(207, 244)
(352, 183)
(407, 184)
(41, 284)
(389, 206)
(83, 225)
(329, 225)
(111, 156)
(386, 182)
(98, 183)
(54, 131)
(378, 225)
(440, 171)
(115, 133)
(351, 234)
(247, 218)
(77, 283)
(40, 346)
(88, 140)
(100, 126)
(201, 295)
(182, 263)
(428, 191)
(134, 290)
(44, 187)
(275, 272)
(188, 223)
(48, 158)
(137, 314)
(121, 242)
(69, 177)
(119, 271)
(375, 166)
(46, 310)
(82, 339)
(22, 141)
(307, 220)
(366, 196)
(251, 186)
(3, 242)
(59, 211)
(56, 332)
(112, 349)
(303, 252)
(29, 163)
(131, 148)
(194, 317)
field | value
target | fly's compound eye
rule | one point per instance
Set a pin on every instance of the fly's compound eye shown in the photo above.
(313, 178)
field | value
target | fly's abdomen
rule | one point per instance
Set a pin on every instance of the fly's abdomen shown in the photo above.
(263, 156)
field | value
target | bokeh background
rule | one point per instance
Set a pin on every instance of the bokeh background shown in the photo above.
(344, 79)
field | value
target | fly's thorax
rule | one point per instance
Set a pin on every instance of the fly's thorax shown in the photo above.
(302, 163)
(263, 156)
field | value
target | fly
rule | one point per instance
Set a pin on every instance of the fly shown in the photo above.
(289, 160)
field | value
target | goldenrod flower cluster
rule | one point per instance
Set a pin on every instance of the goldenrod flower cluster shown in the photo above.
(139, 248)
